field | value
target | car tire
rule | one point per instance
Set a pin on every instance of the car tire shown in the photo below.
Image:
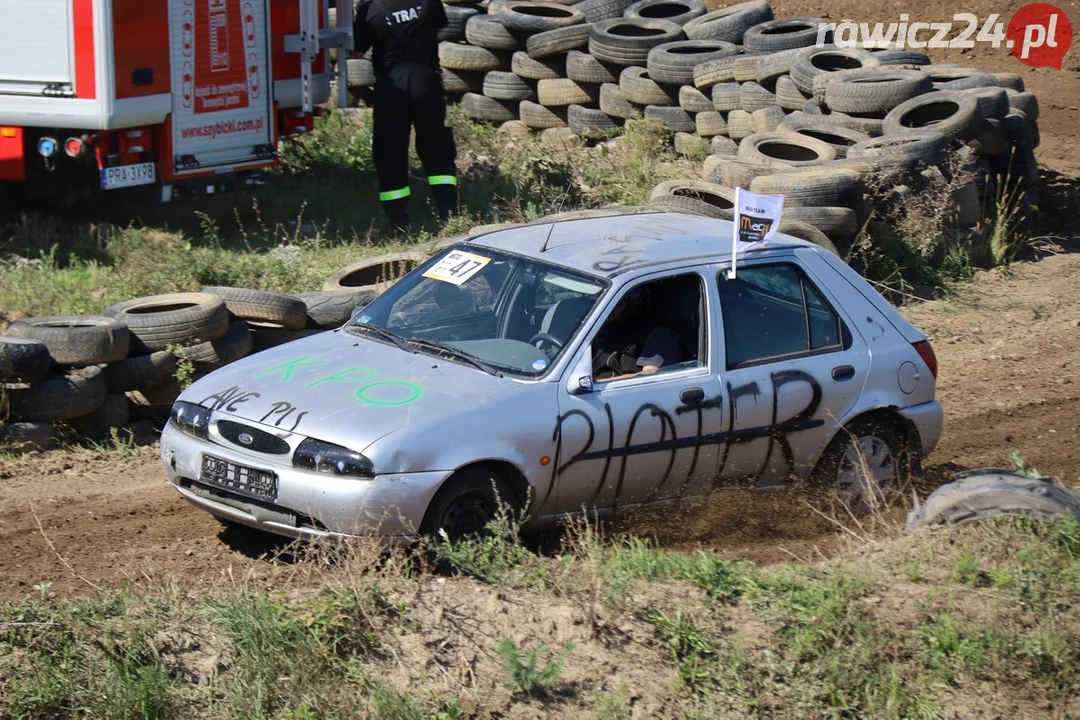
(953, 114)
(674, 62)
(139, 372)
(76, 340)
(546, 69)
(694, 101)
(466, 503)
(565, 92)
(639, 87)
(886, 58)
(489, 32)
(537, 117)
(625, 42)
(27, 436)
(61, 397)
(710, 124)
(788, 95)
(375, 273)
(766, 120)
(785, 149)
(589, 123)
(581, 67)
(506, 86)
(729, 24)
(809, 233)
(712, 72)
(902, 151)
(874, 91)
(334, 309)
(114, 412)
(158, 321)
(690, 145)
(526, 18)
(245, 304)
(771, 68)
(23, 360)
(839, 137)
(230, 347)
(614, 102)
(360, 73)
(775, 36)
(824, 186)
(459, 82)
(485, 109)
(723, 146)
(679, 12)
(726, 96)
(458, 56)
(456, 19)
(560, 138)
(695, 196)
(865, 444)
(558, 42)
(811, 62)
(597, 10)
(835, 222)
(674, 118)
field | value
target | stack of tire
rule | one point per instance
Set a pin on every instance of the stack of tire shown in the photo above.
(94, 375)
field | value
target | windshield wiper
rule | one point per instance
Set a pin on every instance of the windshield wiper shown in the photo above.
(459, 354)
(384, 334)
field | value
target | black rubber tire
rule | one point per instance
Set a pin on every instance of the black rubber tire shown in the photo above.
(466, 503)
(538, 117)
(991, 140)
(787, 34)
(564, 92)
(979, 494)
(785, 149)
(867, 126)
(726, 97)
(627, 42)
(730, 23)
(902, 151)
(674, 118)
(822, 186)
(833, 221)
(456, 17)
(158, 321)
(710, 124)
(558, 42)
(677, 11)
(1018, 129)
(771, 68)
(639, 87)
(992, 102)
(674, 62)
(597, 10)
(1026, 103)
(334, 309)
(139, 372)
(375, 273)
(807, 232)
(490, 33)
(547, 69)
(526, 18)
(590, 123)
(874, 91)
(723, 146)
(359, 73)
(581, 67)
(767, 119)
(59, 397)
(614, 103)
(955, 115)
(708, 74)
(739, 128)
(23, 360)
(286, 310)
(943, 73)
(872, 495)
(230, 347)
(485, 109)
(457, 56)
(886, 58)
(76, 340)
(814, 61)
(840, 138)
(459, 82)
(695, 196)
(744, 69)
(694, 101)
(21, 437)
(267, 335)
(506, 86)
(114, 413)
(754, 97)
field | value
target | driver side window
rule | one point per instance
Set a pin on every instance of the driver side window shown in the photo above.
(656, 327)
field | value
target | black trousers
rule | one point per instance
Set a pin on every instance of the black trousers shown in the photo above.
(412, 96)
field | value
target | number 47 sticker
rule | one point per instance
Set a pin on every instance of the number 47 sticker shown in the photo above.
(457, 267)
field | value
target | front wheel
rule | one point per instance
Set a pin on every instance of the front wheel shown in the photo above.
(466, 503)
(864, 463)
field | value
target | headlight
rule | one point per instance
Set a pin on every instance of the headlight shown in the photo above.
(191, 419)
(326, 457)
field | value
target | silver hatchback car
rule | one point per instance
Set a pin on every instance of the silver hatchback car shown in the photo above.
(586, 365)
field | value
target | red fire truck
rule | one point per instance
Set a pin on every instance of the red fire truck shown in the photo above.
(188, 95)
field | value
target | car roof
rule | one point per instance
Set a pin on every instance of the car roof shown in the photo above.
(614, 244)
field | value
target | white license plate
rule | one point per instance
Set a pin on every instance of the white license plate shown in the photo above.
(128, 176)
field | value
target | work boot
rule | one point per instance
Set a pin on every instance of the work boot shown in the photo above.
(397, 212)
(446, 201)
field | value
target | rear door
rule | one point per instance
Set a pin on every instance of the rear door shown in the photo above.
(35, 45)
(221, 83)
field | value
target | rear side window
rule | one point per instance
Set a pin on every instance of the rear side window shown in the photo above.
(774, 311)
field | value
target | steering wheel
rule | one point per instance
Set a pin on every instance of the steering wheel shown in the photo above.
(548, 338)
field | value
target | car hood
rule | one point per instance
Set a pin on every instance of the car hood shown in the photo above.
(346, 389)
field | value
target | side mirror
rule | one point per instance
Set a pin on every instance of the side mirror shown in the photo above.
(580, 380)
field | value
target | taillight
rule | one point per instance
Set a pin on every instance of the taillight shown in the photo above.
(926, 352)
(296, 121)
(131, 142)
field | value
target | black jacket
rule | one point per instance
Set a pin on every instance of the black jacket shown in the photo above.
(399, 32)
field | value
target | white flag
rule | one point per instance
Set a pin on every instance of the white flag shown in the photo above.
(756, 219)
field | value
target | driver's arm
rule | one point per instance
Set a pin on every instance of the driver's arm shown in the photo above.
(659, 348)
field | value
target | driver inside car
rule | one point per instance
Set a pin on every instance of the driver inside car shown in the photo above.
(632, 342)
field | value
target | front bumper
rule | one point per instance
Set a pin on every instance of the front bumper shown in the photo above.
(308, 504)
(929, 420)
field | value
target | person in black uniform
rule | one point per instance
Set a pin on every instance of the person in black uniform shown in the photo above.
(403, 35)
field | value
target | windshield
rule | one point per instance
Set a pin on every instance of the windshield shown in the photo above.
(486, 308)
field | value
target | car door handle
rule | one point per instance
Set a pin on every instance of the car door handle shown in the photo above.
(691, 396)
(844, 372)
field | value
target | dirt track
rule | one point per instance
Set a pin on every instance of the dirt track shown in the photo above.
(1010, 380)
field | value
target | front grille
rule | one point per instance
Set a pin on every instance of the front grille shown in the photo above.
(261, 441)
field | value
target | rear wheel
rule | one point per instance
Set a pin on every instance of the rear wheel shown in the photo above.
(864, 463)
(466, 503)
